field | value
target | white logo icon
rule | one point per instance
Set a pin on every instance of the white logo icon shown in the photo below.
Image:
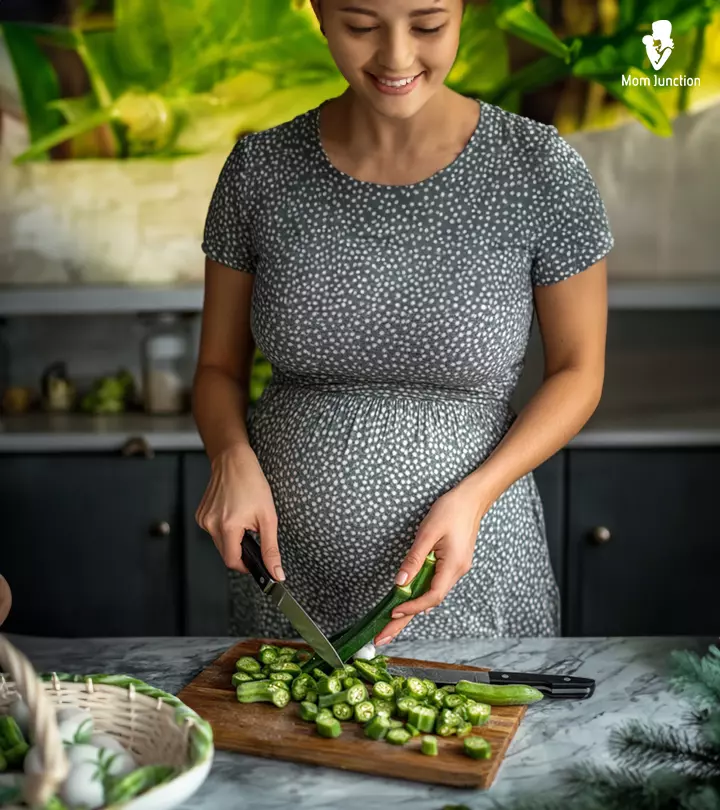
(659, 45)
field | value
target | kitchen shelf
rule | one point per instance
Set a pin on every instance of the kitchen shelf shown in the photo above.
(119, 300)
(98, 299)
(74, 432)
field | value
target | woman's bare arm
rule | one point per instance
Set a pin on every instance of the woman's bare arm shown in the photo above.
(222, 376)
(238, 496)
(572, 316)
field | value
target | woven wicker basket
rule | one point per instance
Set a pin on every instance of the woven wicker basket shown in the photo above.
(154, 726)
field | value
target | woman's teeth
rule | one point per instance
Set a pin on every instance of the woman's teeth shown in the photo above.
(396, 83)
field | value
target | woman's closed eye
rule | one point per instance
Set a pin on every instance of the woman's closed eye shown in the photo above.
(422, 31)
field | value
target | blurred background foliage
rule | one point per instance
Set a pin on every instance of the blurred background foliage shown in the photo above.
(164, 79)
(171, 78)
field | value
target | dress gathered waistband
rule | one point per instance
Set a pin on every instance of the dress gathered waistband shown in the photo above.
(403, 390)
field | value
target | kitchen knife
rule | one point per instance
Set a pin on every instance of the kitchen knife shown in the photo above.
(281, 598)
(552, 686)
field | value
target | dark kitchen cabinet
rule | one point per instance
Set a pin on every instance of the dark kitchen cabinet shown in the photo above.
(643, 539)
(205, 589)
(95, 544)
(90, 544)
(550, 480)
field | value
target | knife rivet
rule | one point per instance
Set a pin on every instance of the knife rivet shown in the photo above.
(262, 580)
(566, 679)
(506, 676)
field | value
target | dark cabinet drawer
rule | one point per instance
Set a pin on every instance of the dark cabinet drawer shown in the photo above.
(91, 544)
(643, 542)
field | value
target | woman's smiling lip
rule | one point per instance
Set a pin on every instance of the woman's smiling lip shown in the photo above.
(394, 91)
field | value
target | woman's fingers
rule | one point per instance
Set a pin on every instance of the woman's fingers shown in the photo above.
(201, 511)
(391, 630)
(231, 548)
(445, 578)
(425, 540)
(269, 545)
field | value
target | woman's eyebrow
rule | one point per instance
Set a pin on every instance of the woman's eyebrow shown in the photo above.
(421, 12)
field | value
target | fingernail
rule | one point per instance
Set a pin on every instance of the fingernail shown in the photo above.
(384, 640)
(279, 573)
(401, 578)
(398, 615)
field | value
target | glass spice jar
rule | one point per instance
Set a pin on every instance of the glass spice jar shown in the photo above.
(166, 365)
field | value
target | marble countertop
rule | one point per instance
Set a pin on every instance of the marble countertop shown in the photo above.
(57, 433)
(632, 683)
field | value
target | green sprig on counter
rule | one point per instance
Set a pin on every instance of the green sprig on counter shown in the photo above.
(660, 767)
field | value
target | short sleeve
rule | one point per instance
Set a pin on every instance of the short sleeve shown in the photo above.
(573, 227)
(227, 236)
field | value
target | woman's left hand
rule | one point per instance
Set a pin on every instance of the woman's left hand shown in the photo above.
(449, 529)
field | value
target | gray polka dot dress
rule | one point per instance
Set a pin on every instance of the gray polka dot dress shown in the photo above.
(396, 319)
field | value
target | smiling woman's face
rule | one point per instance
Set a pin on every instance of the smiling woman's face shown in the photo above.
(393, 53)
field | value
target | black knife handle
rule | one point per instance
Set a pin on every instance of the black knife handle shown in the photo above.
(252, 557)
(559, 686)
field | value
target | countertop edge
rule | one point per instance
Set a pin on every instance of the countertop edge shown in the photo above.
(190, 441)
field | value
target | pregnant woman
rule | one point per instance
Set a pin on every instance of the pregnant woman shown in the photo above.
(386, 251)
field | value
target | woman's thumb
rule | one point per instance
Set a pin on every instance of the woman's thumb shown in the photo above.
(269, 546)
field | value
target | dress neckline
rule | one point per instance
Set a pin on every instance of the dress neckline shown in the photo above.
(458, 161)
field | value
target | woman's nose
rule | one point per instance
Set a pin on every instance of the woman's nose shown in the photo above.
(396, 53)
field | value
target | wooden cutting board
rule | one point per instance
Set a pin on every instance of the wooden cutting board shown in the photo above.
(263, 730)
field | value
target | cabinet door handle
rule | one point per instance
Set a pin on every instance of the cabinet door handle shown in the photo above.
(601, 534)
(161, 529)
(137, 446)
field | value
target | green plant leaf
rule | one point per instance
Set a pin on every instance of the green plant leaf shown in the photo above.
(74, 109)
(141, 46)
(64, 133)
(482, 59)
(98, 55)
(627, 14)
(57, 35)
(684, 14)
(642, 101)
(36, 78)
(544, 71)
(606, 62)
(210, 41)
(518, 17)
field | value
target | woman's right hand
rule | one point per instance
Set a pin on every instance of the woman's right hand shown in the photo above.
(238, 498)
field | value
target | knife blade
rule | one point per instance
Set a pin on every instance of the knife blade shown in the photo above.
(552, 686)
(281, 597)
